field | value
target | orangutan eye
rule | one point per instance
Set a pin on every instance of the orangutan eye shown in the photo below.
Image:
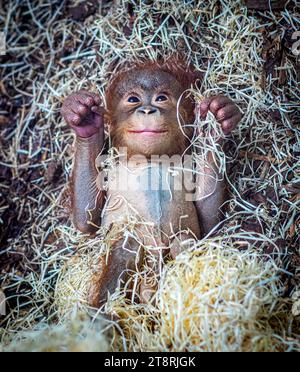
(161, 98)
(133, 99)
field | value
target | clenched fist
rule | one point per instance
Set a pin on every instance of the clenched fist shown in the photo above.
(82, 111)
(224, 109)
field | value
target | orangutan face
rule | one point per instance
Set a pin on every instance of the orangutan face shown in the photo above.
(145, 118)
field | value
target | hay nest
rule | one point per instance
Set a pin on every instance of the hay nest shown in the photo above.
(54, 49)
(78, 334)
(212, 298)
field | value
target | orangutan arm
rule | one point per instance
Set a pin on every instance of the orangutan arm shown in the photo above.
(87, 199)
(83, 113)
(211, 186)
(211, 194)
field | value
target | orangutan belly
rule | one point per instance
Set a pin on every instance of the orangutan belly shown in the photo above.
(152, 195)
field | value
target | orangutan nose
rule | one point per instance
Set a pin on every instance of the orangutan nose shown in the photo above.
(147, 110)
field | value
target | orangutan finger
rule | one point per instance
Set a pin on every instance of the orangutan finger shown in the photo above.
(230, 124)
(227, 112)
(204, 107)
(98, 110)
(218, 102)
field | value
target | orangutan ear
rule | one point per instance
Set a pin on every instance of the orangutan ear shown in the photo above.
(110, 118)
(107, 118)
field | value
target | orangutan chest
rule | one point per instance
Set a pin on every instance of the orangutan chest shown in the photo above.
(152, 193)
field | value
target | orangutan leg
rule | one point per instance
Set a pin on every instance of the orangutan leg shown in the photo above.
(180, 243)
(114, 270)
(154, 260)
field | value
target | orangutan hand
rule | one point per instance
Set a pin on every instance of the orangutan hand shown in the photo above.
(224, 109)
(82, 111)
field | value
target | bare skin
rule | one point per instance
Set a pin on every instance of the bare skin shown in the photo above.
(144, 120)
(211, 191)
(82, 112)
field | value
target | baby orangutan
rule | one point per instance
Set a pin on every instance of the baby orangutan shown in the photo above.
(143, 109)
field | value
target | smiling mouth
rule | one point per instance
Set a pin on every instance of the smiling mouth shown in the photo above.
(148, 132)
